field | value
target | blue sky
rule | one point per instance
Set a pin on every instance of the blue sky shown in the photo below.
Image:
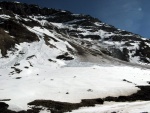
(130, 15)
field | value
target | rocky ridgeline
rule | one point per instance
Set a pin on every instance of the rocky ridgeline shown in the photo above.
(84, 29)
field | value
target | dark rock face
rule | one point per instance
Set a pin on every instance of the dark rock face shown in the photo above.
(123, 55)
(24, 9)
(61, 107)
(142, 94)
(65, 57)
(6, 42)
(17, 30)
(125, 38)
(143, 52)
(93, 37)
(3, 106)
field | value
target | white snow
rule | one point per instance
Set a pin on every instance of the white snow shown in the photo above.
(26, 19)
(44, 111)
(43, 31)
(98, 24)
(52, 83)
(59, 25)
(109, 107)
(4, 16)
(16, 2)
(63, 11)
(75, 14)
(44, 22)
(51, 80)
(41, 19)
(17, 17)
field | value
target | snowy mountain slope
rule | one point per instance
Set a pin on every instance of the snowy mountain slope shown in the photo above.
(60, 61)
(86, 30)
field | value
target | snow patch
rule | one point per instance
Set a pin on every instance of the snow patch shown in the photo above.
(4, 16)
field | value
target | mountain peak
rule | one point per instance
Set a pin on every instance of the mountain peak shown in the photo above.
(115, 42)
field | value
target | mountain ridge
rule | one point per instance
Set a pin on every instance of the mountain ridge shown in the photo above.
(78, 26)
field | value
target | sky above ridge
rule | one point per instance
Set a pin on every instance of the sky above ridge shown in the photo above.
(130, 15)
